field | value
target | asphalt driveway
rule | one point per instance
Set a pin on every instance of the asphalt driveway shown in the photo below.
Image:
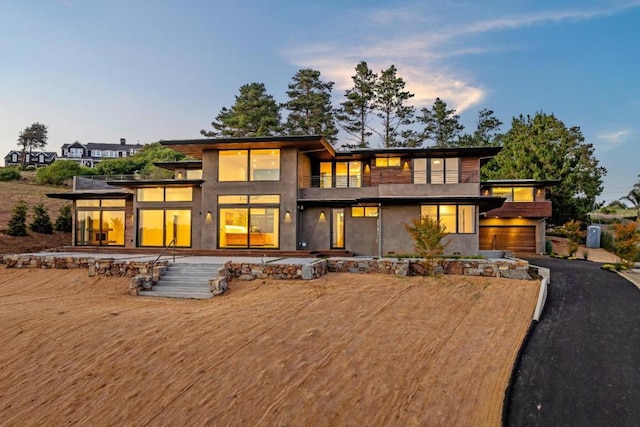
(581, 366)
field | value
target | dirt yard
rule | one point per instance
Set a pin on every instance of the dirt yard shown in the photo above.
(340, 350)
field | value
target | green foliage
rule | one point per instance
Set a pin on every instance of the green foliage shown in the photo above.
(255, 113)
(391, 106)
(441, 126)
(64, 222)
(543, 148)
(607, 241)
(142, 162)
(354, 112)
(585, 254)
(309, 106)
(61, 171)
(548, 247)
(427, 234)
(634, 198)
(627, 243)
(32, 138)
(11, 173)
(614, 267)
(574, 234)
(41, 223)
(486, 133)
(18, 222)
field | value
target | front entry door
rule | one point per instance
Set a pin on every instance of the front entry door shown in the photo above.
(337, 228)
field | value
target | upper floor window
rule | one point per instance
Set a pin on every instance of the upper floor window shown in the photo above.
(41, 158)
(75, 152)
(514, 194)
(340, 174)
(14, 157)
(387, 162)
(168, 194)
(249, 165)
(436, 171)
(194, 173)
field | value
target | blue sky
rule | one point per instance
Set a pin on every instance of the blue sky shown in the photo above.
(149, 70)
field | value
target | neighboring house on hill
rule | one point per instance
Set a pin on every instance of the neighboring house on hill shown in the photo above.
(289, 193)
(92, 153)
(34, 158)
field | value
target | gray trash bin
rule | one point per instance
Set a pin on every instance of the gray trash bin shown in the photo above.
(593, 236)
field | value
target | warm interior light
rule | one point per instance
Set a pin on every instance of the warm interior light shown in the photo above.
(436, 162)
(287, 217)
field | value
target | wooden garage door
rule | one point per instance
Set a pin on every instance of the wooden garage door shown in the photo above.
(512, 238)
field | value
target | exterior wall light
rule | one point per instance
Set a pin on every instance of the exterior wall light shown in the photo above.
(208, 218)
(287, 217)
(322, 219)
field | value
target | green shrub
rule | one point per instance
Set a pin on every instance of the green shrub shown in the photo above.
(18, 222)
(627, 244)
(41, 222)
(61, 171)
(64, 221)
(427, 234)
(11, 173)
(607, 241)
(548, 247)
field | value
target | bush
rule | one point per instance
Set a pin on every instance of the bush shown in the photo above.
(18, 222)
(607, 241)
(627, 242)
(548, 247)
(41, 222)
(64, 222)
(427, 234)
(61, 171)
(574, 234)
(10, 174)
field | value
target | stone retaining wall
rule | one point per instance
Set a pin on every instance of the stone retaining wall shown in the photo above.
(97, 267)
(514, 269)
(247, 271)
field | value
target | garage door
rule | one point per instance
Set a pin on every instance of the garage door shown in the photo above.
(515, 239)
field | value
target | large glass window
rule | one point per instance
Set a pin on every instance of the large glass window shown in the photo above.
(387, 162)
(249, 165)
(346, 174)
(436, 171)
(158, 227)
(99, 222)
(364, 211)
(252, 223)
(514, 194)
(457, 219)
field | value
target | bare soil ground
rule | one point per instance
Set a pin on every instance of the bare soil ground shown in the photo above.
(560, 247)
(340, 350)
(14, 191)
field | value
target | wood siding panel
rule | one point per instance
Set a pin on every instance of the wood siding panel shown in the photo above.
(392, 175)
(469, 169)
(522, 209)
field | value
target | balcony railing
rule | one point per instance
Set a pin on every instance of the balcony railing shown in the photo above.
(375, 179)
(97, 182)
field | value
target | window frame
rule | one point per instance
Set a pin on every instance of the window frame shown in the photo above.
(252, 201)
(249, 170)
(457, 218)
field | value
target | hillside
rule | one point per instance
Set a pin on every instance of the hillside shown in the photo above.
(14, 191)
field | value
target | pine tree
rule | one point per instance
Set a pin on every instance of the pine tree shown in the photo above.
(486, 133)
(255, 113)
(309, 105)
(354, 112)
(391, 106)
(32, 138)
(18, 222)
(41, 222)
(442, 126)
(64, 222)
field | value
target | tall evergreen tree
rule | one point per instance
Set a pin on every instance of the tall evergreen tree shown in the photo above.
(18, 222)
(442, 126)
(32, 138)
(543, 148)
(391, 106)
(354, 112)
(309, 105)
(255, 113)
(487, 131)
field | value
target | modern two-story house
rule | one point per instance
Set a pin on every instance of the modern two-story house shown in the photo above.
(290, 193)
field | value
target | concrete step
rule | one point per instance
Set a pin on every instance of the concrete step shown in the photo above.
(179, 278)
(166, 294)
(180, 288)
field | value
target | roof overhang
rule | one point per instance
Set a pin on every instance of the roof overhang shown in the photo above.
(485, 203)
(185, 164)
(141, 183)
(84, 195)
(314, 145)
(481, 152)
(519, 183)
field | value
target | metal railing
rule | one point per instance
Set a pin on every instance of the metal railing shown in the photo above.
(386, 177)
(166, 247)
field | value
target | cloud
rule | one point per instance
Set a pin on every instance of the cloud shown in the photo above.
(422, 39)
(610, 140)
